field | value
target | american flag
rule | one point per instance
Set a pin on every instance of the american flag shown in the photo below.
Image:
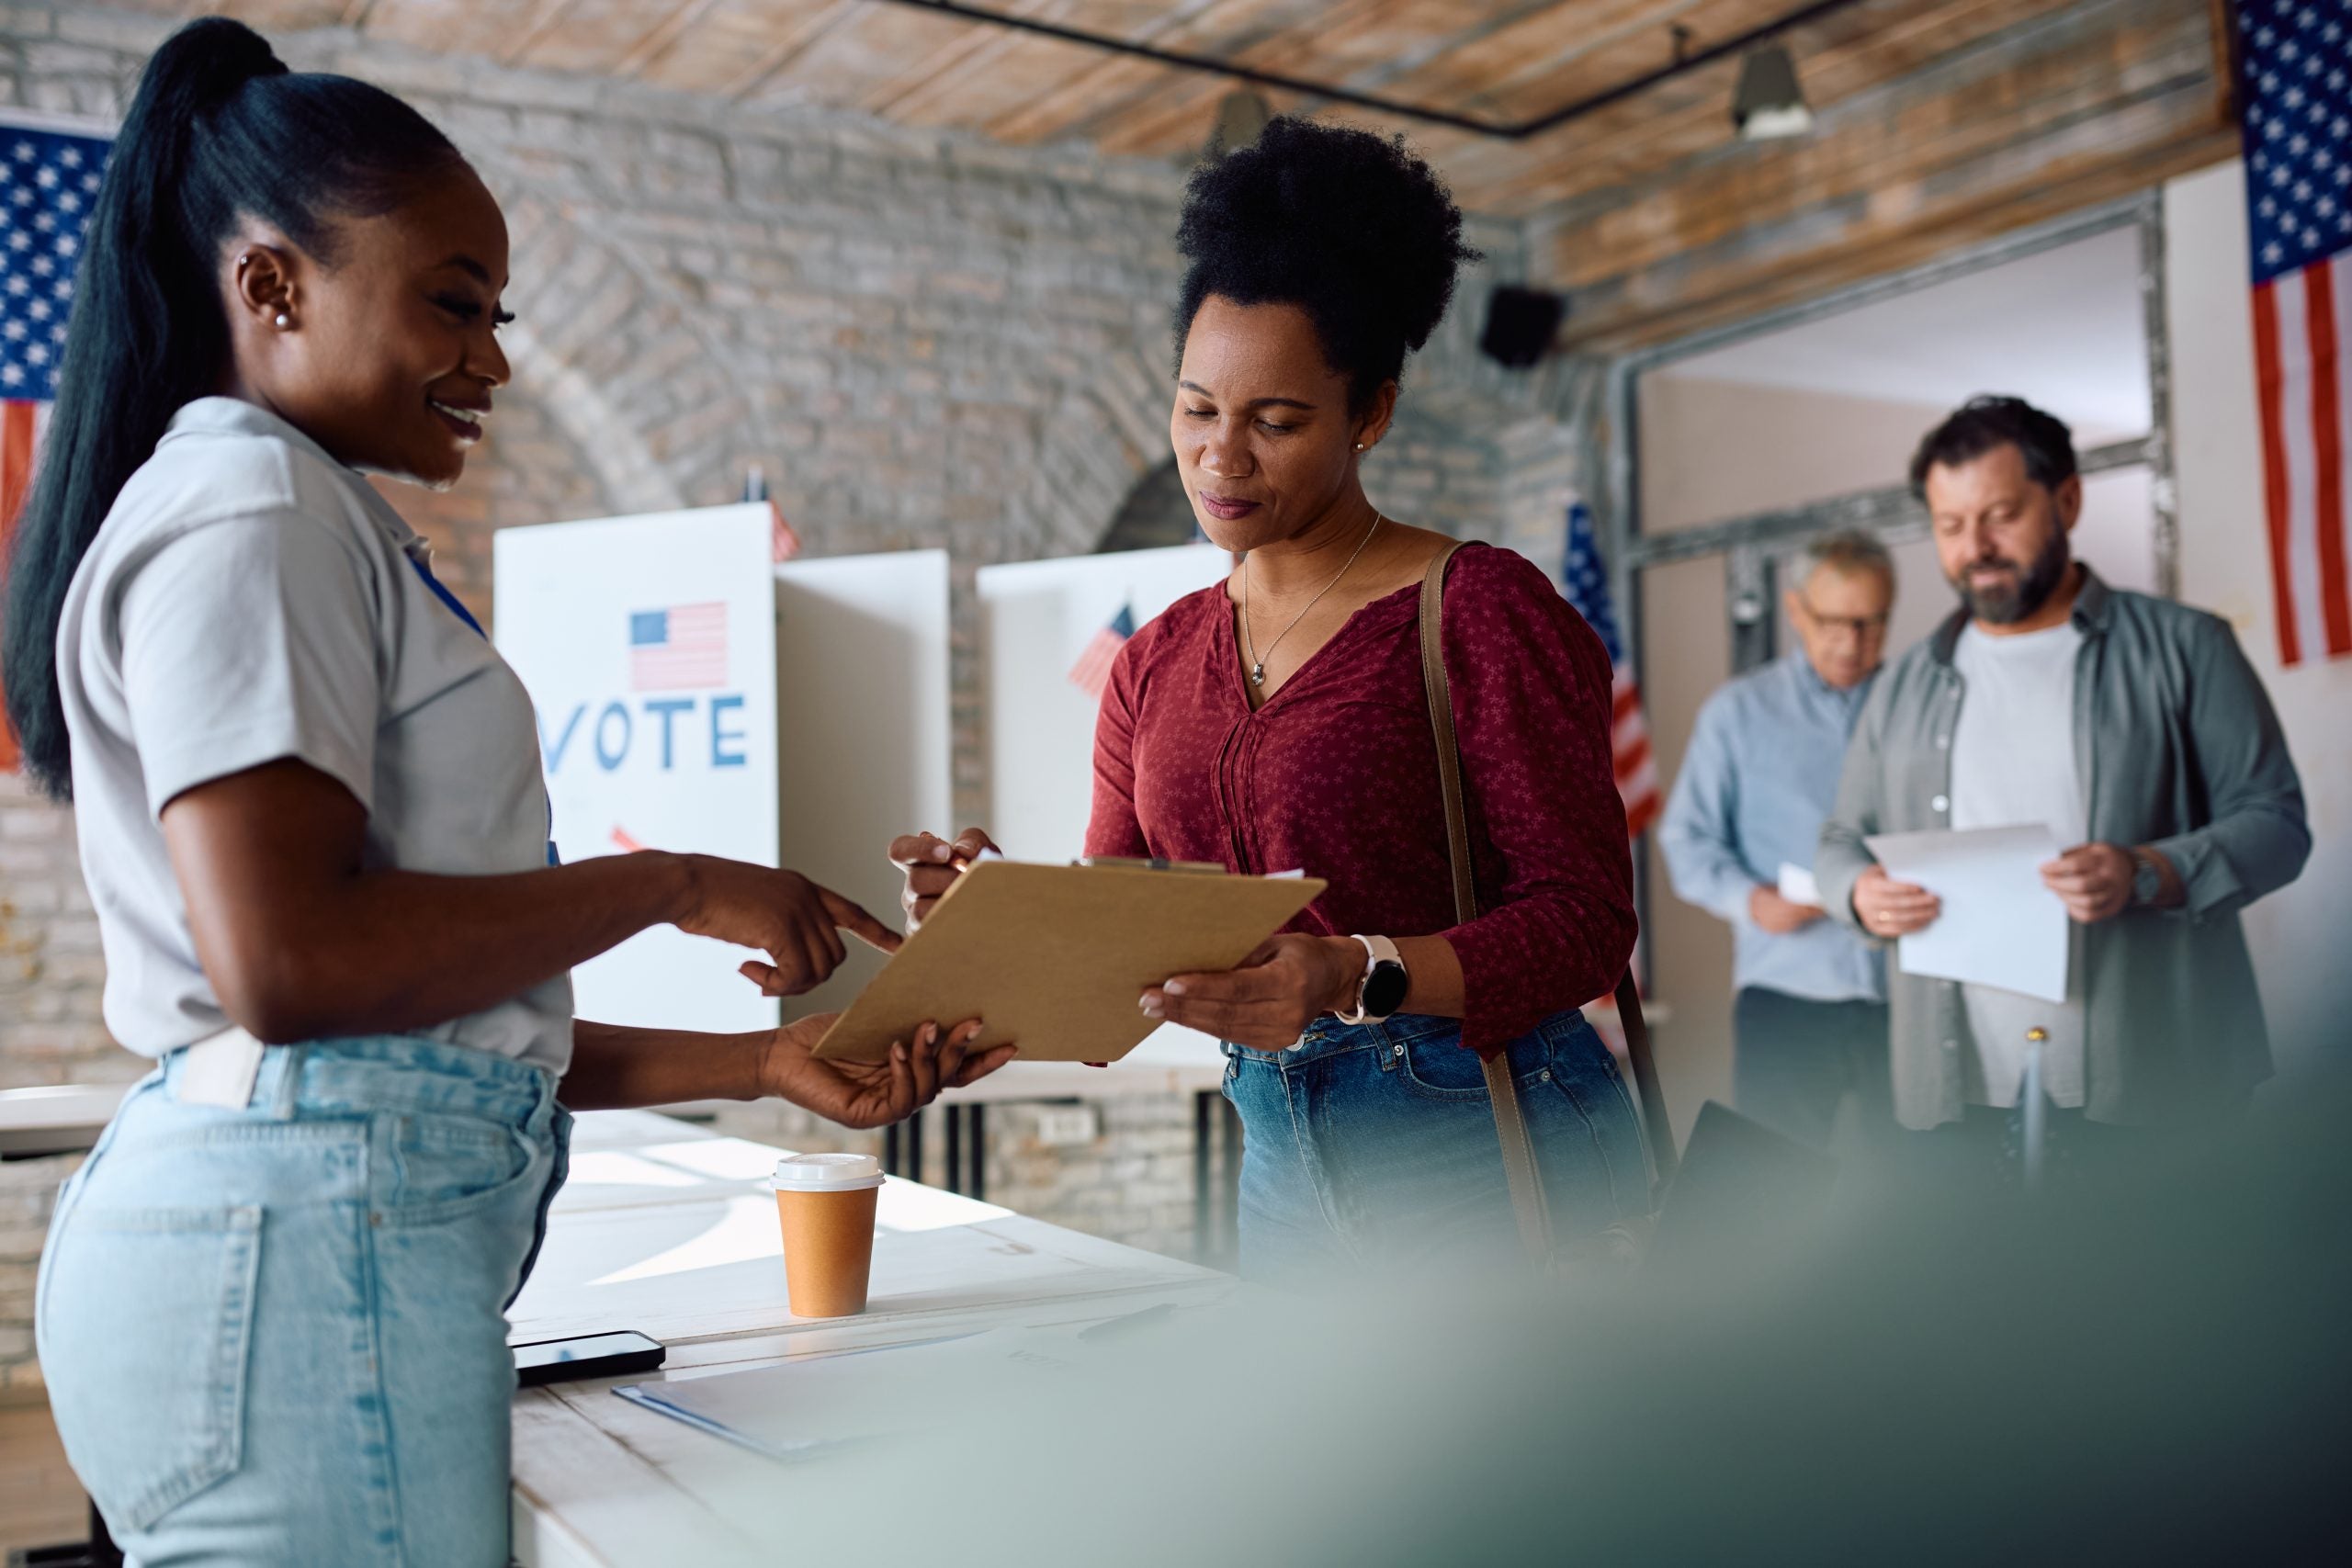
(2297, 97)
(677, 648)
(49, 181)
(1092, 671)
(1629, 734)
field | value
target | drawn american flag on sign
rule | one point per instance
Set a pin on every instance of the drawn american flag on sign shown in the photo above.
(2298, 94)
(677, 648)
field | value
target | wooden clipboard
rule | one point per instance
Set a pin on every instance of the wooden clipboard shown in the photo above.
(1054, 957)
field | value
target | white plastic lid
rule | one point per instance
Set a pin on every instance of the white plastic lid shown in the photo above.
(826, 1173)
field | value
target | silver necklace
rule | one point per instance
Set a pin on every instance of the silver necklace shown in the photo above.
(1258, 665)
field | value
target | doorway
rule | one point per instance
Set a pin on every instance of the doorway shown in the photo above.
(1737, 447)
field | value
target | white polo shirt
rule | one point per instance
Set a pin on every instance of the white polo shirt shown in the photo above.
(248, 599)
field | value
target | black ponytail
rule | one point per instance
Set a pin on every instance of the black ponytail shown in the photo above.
(220, 132)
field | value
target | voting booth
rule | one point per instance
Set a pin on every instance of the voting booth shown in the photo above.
(694, 695)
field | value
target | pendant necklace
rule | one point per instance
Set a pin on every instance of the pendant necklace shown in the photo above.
(1258, 665)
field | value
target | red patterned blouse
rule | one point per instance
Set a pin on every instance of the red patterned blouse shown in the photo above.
(1336, 774)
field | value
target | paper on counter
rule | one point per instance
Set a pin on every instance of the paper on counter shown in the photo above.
(816, 1405)
(2000, 926)
(1797, 884)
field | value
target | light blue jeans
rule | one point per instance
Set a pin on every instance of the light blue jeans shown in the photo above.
(1372, 1147)
(278, 1335)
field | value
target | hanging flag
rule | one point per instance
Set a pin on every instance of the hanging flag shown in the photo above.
(1629, 734)
(2296, 89)
(49, 182)
(1092, 671)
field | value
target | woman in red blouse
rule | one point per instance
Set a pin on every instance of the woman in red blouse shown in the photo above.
(1278, 722)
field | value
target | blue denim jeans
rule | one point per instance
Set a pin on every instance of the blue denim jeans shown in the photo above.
(276, 1334)
(1372, 1146)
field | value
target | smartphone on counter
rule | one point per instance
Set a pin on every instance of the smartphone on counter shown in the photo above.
(589, 1356)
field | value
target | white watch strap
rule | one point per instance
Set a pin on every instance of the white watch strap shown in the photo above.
(1377, 949)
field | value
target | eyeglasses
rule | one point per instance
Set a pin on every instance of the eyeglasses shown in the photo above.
(1860, 627)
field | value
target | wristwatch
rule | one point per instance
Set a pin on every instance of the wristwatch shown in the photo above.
(1382, 990)
(2147, 882)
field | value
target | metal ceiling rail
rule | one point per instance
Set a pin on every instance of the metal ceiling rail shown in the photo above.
(1505, 131)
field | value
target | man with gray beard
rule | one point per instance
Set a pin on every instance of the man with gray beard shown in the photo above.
(2133, 729)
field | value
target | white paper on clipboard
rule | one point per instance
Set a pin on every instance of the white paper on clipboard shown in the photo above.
(2000, 926)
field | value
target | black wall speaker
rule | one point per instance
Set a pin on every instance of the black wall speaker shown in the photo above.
(1521, 325)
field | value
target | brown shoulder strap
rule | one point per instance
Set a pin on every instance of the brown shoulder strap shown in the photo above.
(1511, 1125)
(1520, 1170)
(1449, 756)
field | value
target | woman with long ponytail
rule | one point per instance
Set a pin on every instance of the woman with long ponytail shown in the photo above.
(271, 1306)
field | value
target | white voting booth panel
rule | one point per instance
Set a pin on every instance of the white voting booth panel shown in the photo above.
(694, 696)
(1037, 619)
(863, 662)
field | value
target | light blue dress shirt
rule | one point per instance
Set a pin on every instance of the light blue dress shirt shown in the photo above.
(1760, 776)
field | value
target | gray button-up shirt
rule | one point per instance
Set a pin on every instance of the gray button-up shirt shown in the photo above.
(2179, 749)
(1758, 778)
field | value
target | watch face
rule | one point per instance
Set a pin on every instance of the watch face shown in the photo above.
(2146, 883)
(1383, 991)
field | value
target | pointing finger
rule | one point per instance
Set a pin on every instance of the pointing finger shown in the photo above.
(854, 919)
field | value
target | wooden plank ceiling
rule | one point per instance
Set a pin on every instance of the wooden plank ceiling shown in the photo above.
(1498, 60)
(1939, 121)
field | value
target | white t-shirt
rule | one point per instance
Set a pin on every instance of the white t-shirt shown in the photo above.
(2013, 765)
(250, 599)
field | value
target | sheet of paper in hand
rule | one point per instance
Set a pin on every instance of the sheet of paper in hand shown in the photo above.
(2000, 926)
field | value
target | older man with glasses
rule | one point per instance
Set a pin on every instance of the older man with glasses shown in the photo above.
(1740, 835)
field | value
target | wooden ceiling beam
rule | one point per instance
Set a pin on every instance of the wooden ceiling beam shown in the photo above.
(1691, 118)
(654, 45)
(794, 41)
(2105, 100)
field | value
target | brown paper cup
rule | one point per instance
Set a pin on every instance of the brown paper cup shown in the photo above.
(825, 1205)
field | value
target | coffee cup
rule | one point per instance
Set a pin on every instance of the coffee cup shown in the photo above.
(826, 1203)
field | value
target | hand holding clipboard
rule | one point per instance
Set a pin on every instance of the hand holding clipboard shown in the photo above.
(1052, 957)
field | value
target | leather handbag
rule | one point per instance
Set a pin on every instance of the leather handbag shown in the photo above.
(1511, 1124)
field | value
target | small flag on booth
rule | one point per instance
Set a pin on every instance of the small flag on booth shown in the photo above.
(1629, 734)
(1092, 671)
(782, 543)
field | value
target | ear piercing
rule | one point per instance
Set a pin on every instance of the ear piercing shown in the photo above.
(283, 321)
(1359, 446)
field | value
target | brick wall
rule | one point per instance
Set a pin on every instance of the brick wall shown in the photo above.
(923, 339)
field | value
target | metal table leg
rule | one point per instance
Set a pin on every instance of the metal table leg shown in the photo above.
(1203, 1241)
(1229, 1197)
(979, 1142)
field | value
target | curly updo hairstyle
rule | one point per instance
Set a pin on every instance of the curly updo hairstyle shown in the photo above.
(1354, 228)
